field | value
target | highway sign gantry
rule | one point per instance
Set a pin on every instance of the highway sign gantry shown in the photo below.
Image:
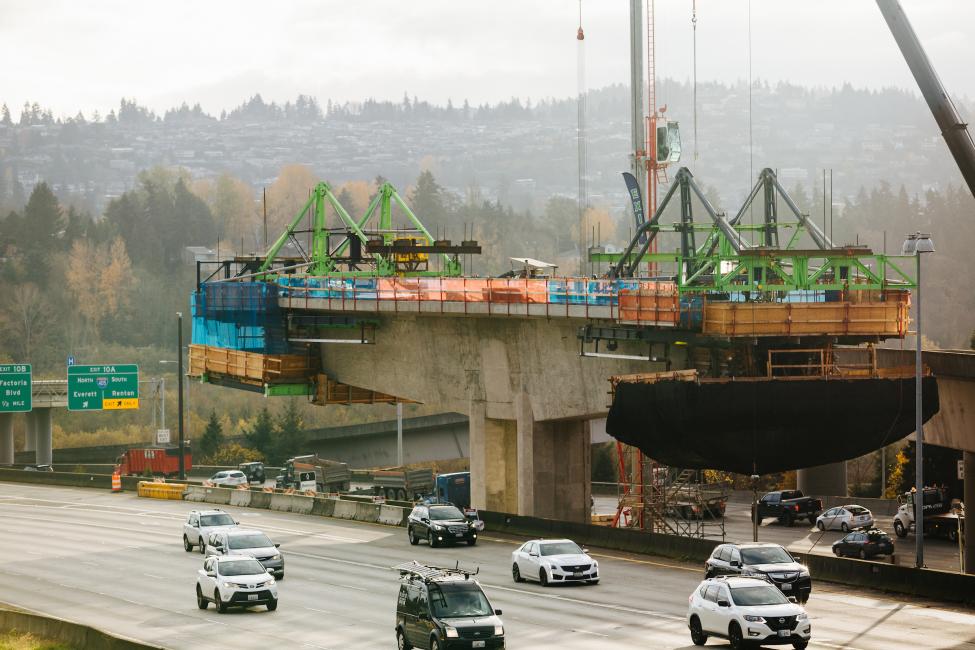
(15, 388)
(103, 387)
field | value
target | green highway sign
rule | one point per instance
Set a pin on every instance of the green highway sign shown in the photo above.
(103, 387)
(15, 385)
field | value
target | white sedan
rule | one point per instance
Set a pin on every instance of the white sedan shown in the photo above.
(229, 478)
(845, 518)
(553, 561)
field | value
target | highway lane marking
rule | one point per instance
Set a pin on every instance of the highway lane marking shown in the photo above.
(150, 575)
(588, 632)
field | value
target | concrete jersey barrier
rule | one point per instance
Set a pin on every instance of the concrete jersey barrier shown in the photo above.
(69, 633)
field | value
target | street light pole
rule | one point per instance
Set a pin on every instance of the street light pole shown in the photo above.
(179, 379)
(916, 245)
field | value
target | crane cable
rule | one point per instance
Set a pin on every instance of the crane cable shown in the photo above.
(694, 28)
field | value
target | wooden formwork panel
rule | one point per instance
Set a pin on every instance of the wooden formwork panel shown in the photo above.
(251, 367)
(806, 319)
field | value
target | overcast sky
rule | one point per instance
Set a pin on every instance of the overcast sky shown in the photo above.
(70, 55)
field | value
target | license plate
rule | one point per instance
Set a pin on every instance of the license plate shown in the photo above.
(786, 587)
(783, 632)
(577, 574)
(251, 596)
(477, 644)
(458, 534)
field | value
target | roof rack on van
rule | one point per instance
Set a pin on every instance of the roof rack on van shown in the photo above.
(428, 573)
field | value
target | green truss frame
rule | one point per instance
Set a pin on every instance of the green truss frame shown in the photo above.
(728, 262)
(323, 257)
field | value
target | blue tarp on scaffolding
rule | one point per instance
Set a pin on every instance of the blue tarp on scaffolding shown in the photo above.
(239, 316)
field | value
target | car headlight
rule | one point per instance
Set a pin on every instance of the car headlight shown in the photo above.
(498, 630)
(451, 632)
(437, 527)
(754, 619)
(276, 556)
(804, 572)
(803, 617)
(230, 585)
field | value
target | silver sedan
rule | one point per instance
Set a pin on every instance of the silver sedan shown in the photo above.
(844, 518)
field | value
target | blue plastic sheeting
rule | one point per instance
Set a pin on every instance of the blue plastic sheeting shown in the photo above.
(791, 296)
(591, 292)
(691, 313)
(239, 316)
(348, 288)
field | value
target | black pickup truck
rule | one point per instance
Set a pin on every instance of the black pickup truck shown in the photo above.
(787, 506)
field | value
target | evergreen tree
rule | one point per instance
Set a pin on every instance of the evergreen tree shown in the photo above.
(212, 438)
(260, 435)
(5, 116)
(289, 438)
(42, 226)
(427, 200)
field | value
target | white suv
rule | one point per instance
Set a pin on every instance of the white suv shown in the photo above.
(235, 581)
(746, 611)
(200, 523)
(229, 478)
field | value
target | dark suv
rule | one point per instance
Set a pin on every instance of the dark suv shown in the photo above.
(443, 609)
(761, 560)
(440, 524)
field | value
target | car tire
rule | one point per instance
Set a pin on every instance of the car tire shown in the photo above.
(698, 637)
(434, 643)
(273, 605)
(899, 529)
(203, 548)
(401, 494)
(800, 645)
(837, 553)
(863, 554)
(410, 535)
(280, 576)
(821, 526)
(516, 573)
(472, 541)
(431, 540)
(542, 577)
(186, 544)
(201, 602)
(401, 642)
(220, 605)
(844, 527)
(735, 637)
(788, 520)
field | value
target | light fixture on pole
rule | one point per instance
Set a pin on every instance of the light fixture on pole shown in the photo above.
(916, 244)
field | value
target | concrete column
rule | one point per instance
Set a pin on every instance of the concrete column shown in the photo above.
(562, 482)
(494, 462)
(969, 540)
(30, 436)
(6, 438)
(824, 480)
(527, 476)
(45, 436)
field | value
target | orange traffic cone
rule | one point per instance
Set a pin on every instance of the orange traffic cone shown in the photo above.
(116, 482)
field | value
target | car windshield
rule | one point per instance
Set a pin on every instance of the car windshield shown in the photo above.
(450, 601)
(216, 520)
(757, 595)
(560, 548)
(257, 540)
(241, 568)
(446, 512)
(765, 555)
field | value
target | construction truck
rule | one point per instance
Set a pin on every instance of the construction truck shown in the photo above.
(163, 461)
(402, 484)
(942, 516)
(316, 474)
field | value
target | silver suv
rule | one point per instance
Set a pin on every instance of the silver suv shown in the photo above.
(252, 543)
(200, 523)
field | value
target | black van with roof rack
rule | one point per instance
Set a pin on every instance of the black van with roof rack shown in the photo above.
(443, 608)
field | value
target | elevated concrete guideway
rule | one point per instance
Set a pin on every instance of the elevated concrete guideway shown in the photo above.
(45, 395)
(528, 393)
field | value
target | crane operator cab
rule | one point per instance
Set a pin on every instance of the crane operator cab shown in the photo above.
(668, 141)
(442, 608)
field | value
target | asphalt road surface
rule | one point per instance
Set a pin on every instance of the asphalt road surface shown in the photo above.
(116, 562)
(802, 537)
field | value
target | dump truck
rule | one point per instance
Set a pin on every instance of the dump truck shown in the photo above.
(310, 472)
(402, 484)
(942, 515)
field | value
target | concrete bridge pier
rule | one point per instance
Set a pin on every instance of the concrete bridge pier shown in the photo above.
(529, 467)
(30, 434)
(6, 438)
(43, 436)
(824, 480)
